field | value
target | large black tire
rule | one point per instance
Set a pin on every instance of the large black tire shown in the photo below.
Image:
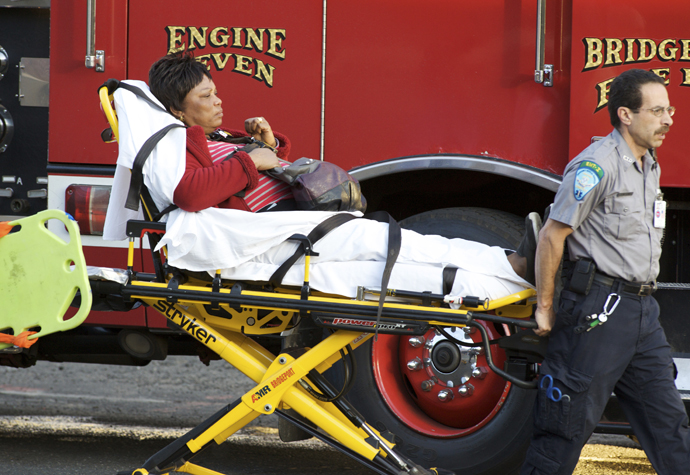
(499, 446)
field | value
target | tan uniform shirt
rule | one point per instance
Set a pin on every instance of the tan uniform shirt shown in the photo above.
(609, 202)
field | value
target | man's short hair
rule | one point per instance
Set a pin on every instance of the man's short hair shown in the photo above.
(173, 76)
(626, 91)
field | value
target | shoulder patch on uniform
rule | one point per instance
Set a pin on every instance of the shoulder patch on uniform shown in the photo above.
(588, 175)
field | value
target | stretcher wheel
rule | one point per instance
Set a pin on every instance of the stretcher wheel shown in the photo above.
(483, 432)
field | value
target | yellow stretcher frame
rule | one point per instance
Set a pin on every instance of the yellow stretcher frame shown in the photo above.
(278, 377)
(281, 380)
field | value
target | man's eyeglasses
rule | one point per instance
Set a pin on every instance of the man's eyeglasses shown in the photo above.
(659, 111)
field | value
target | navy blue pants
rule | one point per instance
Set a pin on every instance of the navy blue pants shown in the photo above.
(628, 355)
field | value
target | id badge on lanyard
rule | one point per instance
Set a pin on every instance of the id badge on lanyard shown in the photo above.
(659, 211)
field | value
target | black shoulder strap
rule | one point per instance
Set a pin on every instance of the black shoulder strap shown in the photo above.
(141, 94)
(137, 181)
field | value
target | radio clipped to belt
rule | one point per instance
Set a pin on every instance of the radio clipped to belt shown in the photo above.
(583, 276)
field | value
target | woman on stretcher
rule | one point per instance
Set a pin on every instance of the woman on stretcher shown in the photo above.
(212, 228)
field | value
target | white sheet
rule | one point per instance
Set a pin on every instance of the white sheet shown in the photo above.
(251, 246)
(137, 122)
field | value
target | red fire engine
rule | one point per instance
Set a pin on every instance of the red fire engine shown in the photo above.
(457, 117)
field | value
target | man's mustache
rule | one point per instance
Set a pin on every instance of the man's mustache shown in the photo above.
(663, 130)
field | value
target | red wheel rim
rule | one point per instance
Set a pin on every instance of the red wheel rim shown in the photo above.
(423, 411)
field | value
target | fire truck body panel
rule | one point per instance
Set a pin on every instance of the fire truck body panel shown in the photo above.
(432, 105)
(416, 78)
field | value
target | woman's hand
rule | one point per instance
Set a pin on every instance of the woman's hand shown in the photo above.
(264, 159)
(260, 129)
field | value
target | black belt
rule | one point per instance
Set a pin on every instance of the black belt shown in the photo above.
(642, 290)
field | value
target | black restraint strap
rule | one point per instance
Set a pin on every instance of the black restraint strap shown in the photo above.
(137, 180)
(394, 244)
(317, 233)
(151, 212)
(449, 278)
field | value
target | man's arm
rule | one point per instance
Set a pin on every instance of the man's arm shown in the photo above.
(549, 254)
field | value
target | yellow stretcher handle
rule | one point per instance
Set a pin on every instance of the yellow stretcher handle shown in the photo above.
(106, 103)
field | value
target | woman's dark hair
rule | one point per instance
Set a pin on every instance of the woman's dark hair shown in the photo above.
(173, 76)
(626, 91)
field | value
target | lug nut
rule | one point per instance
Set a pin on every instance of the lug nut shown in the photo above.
(416, 341)
(475, 351)
(469, 330)
(445, 395)
(479, 372)
(415, 364)
(466, 390)
(427, 385)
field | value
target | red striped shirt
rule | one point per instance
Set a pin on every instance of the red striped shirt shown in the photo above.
(268, 191)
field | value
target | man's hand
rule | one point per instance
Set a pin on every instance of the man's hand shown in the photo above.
(545, 320)
(264, 158)
(260, 129)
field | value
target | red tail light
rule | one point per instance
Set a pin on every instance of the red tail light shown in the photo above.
(88, 204)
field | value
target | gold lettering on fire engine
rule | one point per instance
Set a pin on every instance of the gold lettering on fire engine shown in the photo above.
(264, 72)
(593, 54)
(237, 43)
(268, 41)
(685, 47)
(603, 52)
(219, 37)
(607, 52)
(275, 43)
(668, 50)
(647, 50)
(603, 93)
(219, 61)
(630, 50)
(256, 39)
(663, 73)
(198, 37)
(242, 64)
(686, 76)
(175, 38)
(613, 51)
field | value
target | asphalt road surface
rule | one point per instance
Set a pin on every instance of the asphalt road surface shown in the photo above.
(79, 419)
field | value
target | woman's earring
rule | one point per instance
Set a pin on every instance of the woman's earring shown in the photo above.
(181, 117)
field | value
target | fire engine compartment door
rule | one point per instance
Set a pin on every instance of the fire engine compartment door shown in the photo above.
(614, 36)
(75, 119)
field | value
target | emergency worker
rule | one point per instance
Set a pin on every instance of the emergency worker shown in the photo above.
(605, 336)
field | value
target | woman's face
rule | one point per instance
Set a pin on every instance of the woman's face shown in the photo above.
(202, 106)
